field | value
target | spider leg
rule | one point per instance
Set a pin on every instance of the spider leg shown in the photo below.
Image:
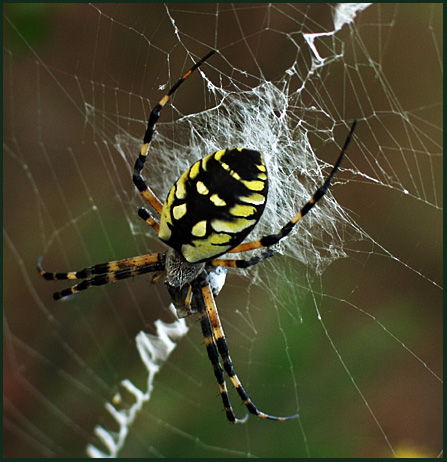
(272, 239)
(213, 354)
(241, 263)
(148, 218)
(209, 318)
(106, 273)
(138, 180)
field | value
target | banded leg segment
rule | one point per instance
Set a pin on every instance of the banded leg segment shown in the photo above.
(106, 273)
(138, 180)
(222, 348)
(230, 263)
(103, 268)
(147, 216)
(213, 354)
(272, 239)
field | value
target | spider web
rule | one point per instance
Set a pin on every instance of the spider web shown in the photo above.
(343, 325)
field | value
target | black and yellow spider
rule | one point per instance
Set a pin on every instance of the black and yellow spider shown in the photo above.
(208, 212)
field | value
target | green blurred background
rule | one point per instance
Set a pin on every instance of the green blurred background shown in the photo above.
(62, 361)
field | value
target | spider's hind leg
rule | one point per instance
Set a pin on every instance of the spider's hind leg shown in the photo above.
(105, 273)
(217, 345)
(213, 353)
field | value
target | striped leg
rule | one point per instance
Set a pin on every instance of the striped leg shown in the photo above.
(209, 316)
(213, 354)
(138, 180)
(149, 218)
(272, 239)
(106, 273)
(241, 263)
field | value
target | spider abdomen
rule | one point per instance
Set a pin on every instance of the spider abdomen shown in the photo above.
(215, 204)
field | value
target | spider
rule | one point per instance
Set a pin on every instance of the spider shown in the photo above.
(208, 212)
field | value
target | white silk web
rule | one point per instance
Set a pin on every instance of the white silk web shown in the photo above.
(342, 325)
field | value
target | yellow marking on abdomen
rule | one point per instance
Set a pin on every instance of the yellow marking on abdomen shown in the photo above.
(169, 200)
(217, 201)
(234, 174)
(242, 210)
(201, 188)
(219, 154)
(202, 250)
(194, 170)
(179, 211)
(180, 190)
(231, 226)
(199, 229)
(220, 238)
(254, 185)
(255, 199)
(164, 232)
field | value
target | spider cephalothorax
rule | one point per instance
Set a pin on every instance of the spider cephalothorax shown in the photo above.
(209, 211)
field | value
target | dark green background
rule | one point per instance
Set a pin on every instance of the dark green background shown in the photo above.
(61, 361)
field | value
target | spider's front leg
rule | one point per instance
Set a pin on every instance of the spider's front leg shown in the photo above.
(137, 178)
(147, 216)
(273, 239)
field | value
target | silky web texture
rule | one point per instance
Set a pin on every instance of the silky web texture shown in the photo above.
(112, 372)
